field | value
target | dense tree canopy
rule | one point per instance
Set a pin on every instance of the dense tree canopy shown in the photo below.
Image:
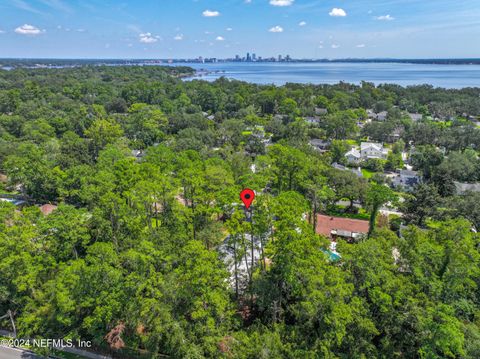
(149, 240)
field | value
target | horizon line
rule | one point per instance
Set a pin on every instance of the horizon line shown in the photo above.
(265, 59)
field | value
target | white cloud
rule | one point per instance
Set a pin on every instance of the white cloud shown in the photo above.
(178, 37)
(147, 38)
(335, 46)
(220, 38)
(337, 12)
(302, 23)
(210, 13)
(229, 29)
(28, 30)
(385, 18)
(80, 30)
(248, 1)
(320, 46)
(281, 2)
(276, 29)
(360, 46)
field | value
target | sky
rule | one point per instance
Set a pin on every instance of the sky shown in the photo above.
(225, 28)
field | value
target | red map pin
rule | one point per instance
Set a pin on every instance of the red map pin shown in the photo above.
(247, 196)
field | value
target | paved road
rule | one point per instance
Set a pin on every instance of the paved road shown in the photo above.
(14, 353)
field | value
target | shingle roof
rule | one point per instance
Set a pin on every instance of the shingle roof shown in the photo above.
(327, 224)
(48, 208)
(365, 145)
(354, 152)
(466, 187)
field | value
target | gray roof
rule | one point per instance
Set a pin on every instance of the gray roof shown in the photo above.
(319, 143)
(415, 116)
(338, 166)
(467, 187)
(408, 173)
(376, 145)
(321, 111)
(311, 119)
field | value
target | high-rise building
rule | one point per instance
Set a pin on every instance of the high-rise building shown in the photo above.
(279, 58)
(237, 57)
(254, 57)
(248, 57)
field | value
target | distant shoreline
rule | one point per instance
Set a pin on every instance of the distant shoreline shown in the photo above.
(49, 63)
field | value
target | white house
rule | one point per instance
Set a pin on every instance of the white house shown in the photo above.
(353, 156)
(373, 150)
(367, 151)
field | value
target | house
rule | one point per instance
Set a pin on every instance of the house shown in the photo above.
(357, 171)
(407, 179)
(371, 114)
(395, 135)
(367, 151)
(415, 116)
(373, 150)
(138, 154)
(382, 116)
(345, 228)
(320, 145)
(353, 156)
(462, 188)
(48, 208)
(312, 120)
(321, 111)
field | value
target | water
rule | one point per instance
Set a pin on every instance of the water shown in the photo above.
(448, 76)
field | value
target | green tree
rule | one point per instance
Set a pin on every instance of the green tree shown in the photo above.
(375, 198)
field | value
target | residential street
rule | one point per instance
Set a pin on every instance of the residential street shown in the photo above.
(14, 353)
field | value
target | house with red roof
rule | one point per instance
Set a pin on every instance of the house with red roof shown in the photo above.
(48, 208)
(337, 227)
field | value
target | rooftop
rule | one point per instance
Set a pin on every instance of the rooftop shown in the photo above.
(48, 208)
(328, 224)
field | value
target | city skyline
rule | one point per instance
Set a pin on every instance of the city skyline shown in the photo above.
(193, 28)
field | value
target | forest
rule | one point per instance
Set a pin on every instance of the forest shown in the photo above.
(147, 250)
